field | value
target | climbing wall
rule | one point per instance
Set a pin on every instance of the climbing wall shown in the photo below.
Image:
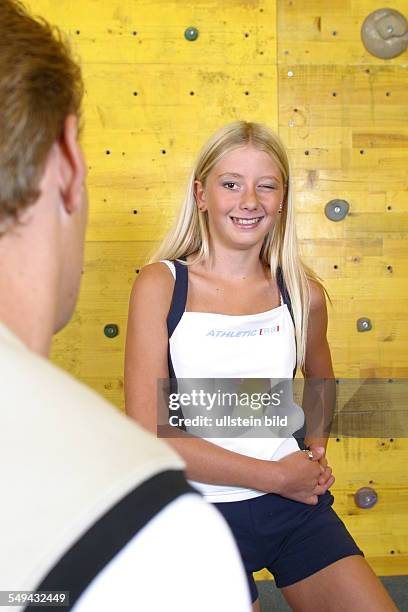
(160, 77)
(344, 117)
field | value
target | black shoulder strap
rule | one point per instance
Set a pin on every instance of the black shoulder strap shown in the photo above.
(284, 291)
(177, 308)
(76, 569)
(286, 300)
(178, 303)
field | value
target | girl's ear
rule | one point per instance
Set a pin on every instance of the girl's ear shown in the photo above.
(199, 193)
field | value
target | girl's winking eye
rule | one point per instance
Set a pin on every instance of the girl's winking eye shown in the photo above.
(265, 186)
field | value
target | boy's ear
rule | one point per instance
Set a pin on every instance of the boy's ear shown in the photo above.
(72, 165)
(199, 193)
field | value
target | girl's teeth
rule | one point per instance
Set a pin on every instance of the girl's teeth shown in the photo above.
(246, 221)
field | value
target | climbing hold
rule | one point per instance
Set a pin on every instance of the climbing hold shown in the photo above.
(365, 497)
(363, 324)
(336, 210)
(191, 34)
(385, 33)
(111, 330)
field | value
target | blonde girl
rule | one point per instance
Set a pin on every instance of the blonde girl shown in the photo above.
(229, 270)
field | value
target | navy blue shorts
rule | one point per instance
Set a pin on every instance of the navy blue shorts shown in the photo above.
(291, 539)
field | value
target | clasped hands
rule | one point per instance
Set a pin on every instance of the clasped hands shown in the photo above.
(326, 478)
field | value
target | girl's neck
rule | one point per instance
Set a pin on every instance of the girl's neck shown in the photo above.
(234, 264)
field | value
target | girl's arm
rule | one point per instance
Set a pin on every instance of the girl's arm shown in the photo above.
(319, 395)
(146, 362)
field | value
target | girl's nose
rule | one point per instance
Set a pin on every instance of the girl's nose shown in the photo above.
(249, 200)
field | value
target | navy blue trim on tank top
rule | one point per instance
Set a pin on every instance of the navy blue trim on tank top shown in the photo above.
(177, 308)
(287, 301)
(178, 305)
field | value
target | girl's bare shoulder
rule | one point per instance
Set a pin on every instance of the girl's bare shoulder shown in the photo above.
(317, 296)
(153, 286)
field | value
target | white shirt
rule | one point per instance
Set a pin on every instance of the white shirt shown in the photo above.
(184, 559)
(232, 348)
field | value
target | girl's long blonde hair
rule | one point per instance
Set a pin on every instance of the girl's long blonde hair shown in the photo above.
(280, 248)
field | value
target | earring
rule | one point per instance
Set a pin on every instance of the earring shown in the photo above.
(280, 208)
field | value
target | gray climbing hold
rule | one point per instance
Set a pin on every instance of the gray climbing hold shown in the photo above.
(111, 330)
(364, 324)
(336, 210)
(385, 33)
(365, 497)
(191, 34)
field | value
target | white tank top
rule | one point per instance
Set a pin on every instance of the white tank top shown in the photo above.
(262, 345)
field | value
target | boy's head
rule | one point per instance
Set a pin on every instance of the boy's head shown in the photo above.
(43, 203)
(40, 85)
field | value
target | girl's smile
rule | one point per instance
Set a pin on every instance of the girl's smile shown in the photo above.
(244, 223)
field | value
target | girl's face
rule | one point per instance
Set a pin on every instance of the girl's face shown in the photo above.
(241, 196)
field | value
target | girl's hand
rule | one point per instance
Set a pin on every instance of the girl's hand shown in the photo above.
(298, 476)
(326, 479)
